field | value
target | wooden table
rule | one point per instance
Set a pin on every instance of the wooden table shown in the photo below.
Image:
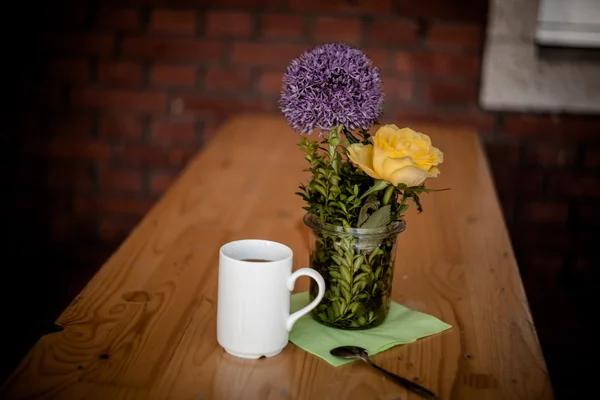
(144, 326)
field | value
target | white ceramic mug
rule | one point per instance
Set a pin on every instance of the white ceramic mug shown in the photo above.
(255, 284)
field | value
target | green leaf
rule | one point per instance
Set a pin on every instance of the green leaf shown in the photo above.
(343, 285)
(388, 194)
(362, 277)
(358, 286)
(347, 293)
(343, 305)
(371, 204)
(336, 309)
(378, 219)
(350, 137)
(346, 275)
(357, 262)
(318, 188)
(377, 186)
(417, 201)
(402, 209)
(337, 259)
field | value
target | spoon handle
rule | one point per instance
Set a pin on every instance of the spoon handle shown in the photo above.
(410, 385)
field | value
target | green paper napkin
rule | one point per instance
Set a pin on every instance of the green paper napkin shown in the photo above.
(400, 327)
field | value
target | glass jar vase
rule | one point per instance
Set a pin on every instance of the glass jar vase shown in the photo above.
(358, 268)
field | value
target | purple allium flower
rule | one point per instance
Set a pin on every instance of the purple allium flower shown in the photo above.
(330, 85)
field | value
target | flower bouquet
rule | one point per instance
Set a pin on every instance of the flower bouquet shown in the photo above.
(360, 184)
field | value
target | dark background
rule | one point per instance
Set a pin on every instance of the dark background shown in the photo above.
(107, 100)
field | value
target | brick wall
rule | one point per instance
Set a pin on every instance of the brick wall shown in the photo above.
(114, 97)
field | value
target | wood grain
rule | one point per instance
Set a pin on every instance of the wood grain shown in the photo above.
(144, 326)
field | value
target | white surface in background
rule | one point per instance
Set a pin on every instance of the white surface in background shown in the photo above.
(514, 78)
(572, 23)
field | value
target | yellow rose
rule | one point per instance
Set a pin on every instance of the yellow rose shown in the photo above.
(398, 156)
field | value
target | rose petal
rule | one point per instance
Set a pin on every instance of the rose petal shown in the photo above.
(362, 155)
(411, 176)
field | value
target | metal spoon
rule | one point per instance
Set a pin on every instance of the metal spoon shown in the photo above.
(351, 352)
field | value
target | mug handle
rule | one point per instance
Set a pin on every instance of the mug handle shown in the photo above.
(290, 284)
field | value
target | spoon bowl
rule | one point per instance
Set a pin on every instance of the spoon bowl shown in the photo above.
(349, 352)
(354, 352)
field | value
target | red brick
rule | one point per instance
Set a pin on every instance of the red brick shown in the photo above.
(258, 5)
(67, 227)
(120, 179)
(160, 181)
(206, 107)
(515, 180)
(229, 79)
(531, 125)
(113, 228)
(69, 149)
(29, 171)
(120, 73)
(69, 70)
(117, 127)
(92, 98)
(503, 154)
(465, 36)
(173, 21)
(467, 119)
(584, 238)
(266, 54)
(29, 122)
(392, 32)
(172, 49)
(337, 29)
(173, 75)
(359, 7)
(586, 272)
(508, 204)
(438, 64)
(592, 157)
(84, 44)
(93, 205)
(71, 16)
(44, 94)
(70, 126)
(282, 26)
(119, 18)
(574, 185)
(70, 175)
(461, 10)
(546, 211)
(270, 82)
(587, 212)
(228, 24)
(541, 266)
(154, 156)
(145, 2)
(167, 132)
(551, 155)
(381, 58)
(450, 93)
(397, 89)
(548, 126)
(538, 236)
